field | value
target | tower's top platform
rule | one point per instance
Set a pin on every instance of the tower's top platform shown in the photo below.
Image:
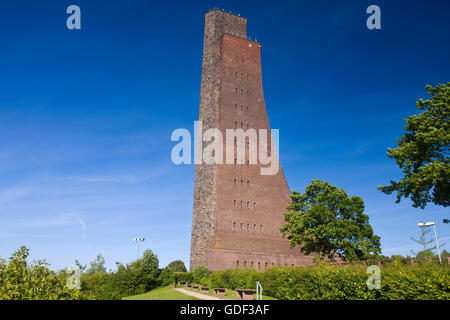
(230, 23)
(226, 12)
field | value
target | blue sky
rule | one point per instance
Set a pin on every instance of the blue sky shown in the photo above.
(86, 116)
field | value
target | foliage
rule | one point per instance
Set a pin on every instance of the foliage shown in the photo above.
(198, 273)
(425, 252)
(177, 266)
(136, 278)
(423, 152)
(425, 282)
(234, 278)
(399, 281)
(326, 221)
(149, 263)
(166, 276)
(183, 277)
(20, 280)
(98, 265)
(81, 267)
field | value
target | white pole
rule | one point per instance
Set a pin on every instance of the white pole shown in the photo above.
(137, 253)
(437, 243)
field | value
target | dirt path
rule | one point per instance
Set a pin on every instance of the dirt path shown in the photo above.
(197, 294)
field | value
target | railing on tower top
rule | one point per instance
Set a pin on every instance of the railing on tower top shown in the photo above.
(232, 33)
(226, 11)
(240, 36)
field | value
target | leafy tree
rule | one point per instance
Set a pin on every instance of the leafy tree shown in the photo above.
(423, 152)
(425, 252)
(98, 265)
(149, 263)
(81, 267)
(324, 220)
(177, 266)
(20, 280)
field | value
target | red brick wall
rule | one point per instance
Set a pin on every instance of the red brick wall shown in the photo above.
(262, 242)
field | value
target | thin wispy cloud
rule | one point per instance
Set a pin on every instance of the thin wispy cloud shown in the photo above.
(61, 220)
(38, 163)
(132, 177)
(360, 149)
(14, 193)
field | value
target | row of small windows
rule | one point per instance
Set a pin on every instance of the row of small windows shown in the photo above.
(251, 265)
(242, 125)
(243, 91)
(243, 182)
(243, 204)
(248, 228)
(244, 76)
(242, 162)
(242, 107)
(240, 59)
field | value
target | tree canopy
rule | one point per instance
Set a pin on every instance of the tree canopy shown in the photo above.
(177, 266)
(426, 251)
(423, 152)
(324, 220)
(98, 265)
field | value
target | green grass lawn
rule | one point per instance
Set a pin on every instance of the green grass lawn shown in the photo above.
(165, 293)
(229, 294)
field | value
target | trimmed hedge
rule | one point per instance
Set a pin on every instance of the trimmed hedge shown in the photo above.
(328, 282)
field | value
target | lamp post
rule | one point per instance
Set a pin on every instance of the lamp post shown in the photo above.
(138, 240)
(429, 224)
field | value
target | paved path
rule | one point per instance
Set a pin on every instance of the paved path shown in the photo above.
(197, 294)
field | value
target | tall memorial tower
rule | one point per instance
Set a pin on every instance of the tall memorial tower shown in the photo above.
(237, 211)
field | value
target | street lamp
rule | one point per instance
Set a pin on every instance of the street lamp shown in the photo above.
(429, 224)
(138, 240)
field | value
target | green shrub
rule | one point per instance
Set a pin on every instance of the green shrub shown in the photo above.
(330, 282)
(183, 277)
(198, 273)
(166, 277)
(349, 282)
(136, 278)
(20, 280)
(424, 282)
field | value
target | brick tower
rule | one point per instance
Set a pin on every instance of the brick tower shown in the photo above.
(237, 211)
